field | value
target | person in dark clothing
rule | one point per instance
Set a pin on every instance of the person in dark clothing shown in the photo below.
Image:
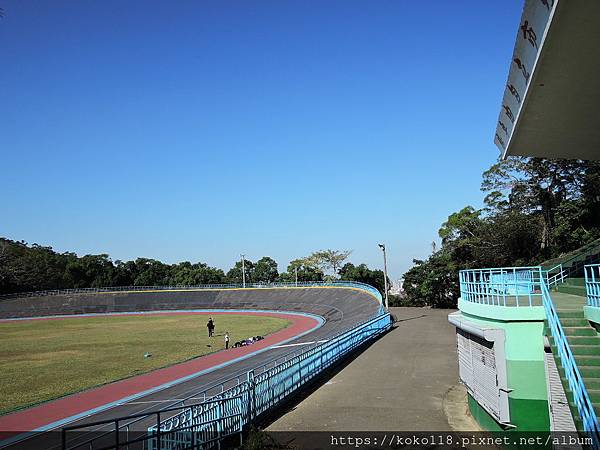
(211, 327)
(226, 340)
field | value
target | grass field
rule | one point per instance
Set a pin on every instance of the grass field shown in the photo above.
(45, 359)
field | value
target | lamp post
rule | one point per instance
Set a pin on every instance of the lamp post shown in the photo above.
(243, 271)
(382, 247)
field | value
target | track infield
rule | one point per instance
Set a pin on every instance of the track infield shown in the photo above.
(44, 359)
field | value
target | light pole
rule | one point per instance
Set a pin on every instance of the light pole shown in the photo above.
(382, 247)
(296, 270)
(243, 271)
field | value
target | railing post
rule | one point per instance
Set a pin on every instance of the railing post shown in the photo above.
(116, 434)
(158, 434)
(219, 421)
(251, 396)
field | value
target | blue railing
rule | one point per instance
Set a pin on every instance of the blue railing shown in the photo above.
(527, 286)
(259, 393)
(514, 286)
(575, 380)
(207, 416)
(592, 284)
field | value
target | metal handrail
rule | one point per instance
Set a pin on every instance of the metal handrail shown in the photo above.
(252, 405)
(592, 284)
(582, 252)
(505, 286)
(559, 277)
(220, 385)
(262, 394)
(575, 380)
(154, 414)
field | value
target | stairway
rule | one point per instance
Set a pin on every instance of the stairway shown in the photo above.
(585, 346)
(573, 262)
(574, 286)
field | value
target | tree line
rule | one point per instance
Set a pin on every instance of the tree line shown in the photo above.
(25, 267)
(535, 209)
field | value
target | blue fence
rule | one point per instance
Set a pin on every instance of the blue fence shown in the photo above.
(592, 284)
(204, 418)
(574, 378)
(514, 286)
(202, 424)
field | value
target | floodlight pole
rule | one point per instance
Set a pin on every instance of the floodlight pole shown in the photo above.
(382, 247)
(243, 271)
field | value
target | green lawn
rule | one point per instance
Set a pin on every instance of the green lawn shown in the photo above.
(43, 360)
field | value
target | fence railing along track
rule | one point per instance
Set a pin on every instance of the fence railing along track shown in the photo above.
(205, 424)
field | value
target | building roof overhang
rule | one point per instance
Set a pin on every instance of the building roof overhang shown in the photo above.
(551, 105)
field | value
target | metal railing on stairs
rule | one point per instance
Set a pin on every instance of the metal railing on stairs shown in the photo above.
(581, 398)
(555, 275)
(526, 287)
(592, 284)
(574, 261)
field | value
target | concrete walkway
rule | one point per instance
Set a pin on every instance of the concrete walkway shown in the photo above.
(399, 383)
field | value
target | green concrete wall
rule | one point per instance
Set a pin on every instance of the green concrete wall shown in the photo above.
(526, 373)
(488, 423)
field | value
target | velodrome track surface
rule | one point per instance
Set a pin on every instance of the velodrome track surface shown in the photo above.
(339, 307)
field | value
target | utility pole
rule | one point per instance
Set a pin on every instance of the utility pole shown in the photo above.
(243, 271)
(382, 247)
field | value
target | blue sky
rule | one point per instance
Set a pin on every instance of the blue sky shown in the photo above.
(200, 130)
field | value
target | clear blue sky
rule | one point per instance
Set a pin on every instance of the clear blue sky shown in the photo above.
(200, 130)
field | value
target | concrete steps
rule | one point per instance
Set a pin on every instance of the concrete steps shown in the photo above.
(579, 331)
(584, 343)
(573, 290)
(570, 314)
(593, 393)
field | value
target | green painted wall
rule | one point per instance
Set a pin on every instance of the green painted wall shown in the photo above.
(593, 315)
(482, 417)
(526, 373)
(488, 423)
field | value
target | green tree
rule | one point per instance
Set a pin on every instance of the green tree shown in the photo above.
(90, 271)
(329, 260)
(534, 186)
(433, 282)
(150, 272)
(265, 270)
(306, 270)
(362, 274)
(188, 274)
(235, 273)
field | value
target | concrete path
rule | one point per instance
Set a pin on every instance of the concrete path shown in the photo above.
(399, 383)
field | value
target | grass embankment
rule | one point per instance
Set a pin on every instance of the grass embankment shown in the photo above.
(45, 359)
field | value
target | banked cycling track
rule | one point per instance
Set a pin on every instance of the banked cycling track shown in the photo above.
(317, 314)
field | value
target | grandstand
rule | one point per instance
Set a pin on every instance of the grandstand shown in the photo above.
(528, 343)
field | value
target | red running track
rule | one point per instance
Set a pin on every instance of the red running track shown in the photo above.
(47, 413)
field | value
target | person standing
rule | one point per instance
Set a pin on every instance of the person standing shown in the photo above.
(226, 340)
(211, 327)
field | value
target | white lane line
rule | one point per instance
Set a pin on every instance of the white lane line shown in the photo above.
(299, 343)
(156, 401)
